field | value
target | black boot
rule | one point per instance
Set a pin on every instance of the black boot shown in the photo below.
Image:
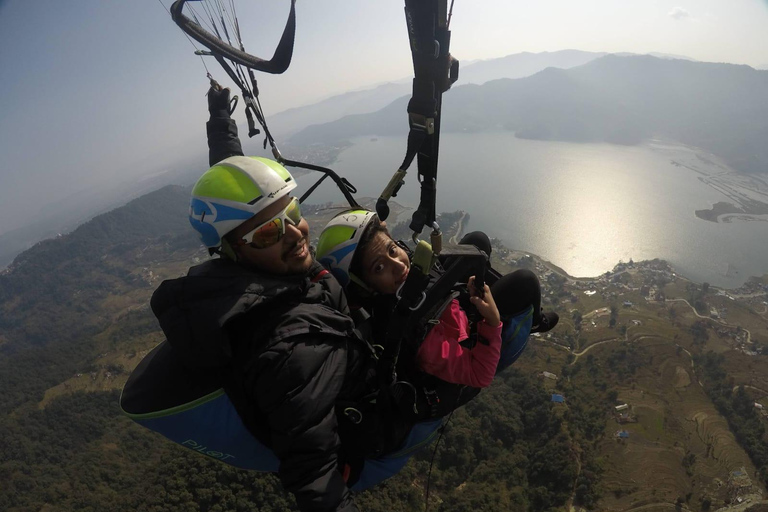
(547, 323)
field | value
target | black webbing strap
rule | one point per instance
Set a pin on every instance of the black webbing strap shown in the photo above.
(410, 297)
(342, 183)
(434, 72)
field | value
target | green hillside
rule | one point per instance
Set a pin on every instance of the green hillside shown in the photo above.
(74, 321)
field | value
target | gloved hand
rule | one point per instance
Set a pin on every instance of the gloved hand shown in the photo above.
(218, 101)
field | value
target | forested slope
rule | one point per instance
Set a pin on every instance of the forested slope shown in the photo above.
(75, 319)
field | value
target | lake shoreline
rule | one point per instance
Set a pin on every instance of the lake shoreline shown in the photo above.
(584, 206)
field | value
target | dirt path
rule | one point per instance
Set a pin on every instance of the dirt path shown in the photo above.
(655, 505)
(720, 322)
(569, 504)
(693, 365)
(736, 388)
(455, 237)
(637, 337)
(579, 354)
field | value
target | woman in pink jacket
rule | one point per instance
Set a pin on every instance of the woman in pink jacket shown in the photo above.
(442, 355)
(359, 251)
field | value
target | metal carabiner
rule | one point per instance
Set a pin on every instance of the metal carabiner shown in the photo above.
(354, 415)
(233, 104)
(421, 302)
(398, 294)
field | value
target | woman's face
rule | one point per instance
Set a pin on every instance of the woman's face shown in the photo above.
(385, 264)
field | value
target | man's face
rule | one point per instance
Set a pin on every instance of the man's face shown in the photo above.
(290, 255)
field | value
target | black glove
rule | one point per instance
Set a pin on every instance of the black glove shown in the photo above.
(218, 102)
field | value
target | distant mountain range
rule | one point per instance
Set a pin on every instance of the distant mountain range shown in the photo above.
(722, 108)
(517, 65)
(520, 65)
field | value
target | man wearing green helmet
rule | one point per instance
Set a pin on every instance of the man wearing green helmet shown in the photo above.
(273, 322)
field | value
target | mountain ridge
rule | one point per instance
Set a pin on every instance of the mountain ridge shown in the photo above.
(722, 108)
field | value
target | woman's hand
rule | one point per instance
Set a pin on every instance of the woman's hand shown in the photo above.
(484, 304)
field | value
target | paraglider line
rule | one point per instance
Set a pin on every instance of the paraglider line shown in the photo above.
(432, 460)
(207, 72)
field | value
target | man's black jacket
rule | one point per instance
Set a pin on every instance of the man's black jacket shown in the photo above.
(292, 353)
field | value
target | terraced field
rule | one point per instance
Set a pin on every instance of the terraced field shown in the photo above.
(676, 420)
(680, 447)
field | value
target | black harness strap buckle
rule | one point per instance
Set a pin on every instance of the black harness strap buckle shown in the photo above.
(422, 122)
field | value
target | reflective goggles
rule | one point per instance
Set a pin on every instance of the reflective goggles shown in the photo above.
(269, 233)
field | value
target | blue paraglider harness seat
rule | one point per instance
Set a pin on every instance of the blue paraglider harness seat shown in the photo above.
(191, 408)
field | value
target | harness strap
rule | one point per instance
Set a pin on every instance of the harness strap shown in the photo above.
(434, 72)
(342, 183)
(320, 275)
(411, 297)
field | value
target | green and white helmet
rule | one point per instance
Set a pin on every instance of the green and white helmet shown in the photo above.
(338, 243)
(233, 191)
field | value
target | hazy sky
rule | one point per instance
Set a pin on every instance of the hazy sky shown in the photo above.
(98, 91)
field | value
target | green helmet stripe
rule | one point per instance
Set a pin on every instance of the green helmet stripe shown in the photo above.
(332, 237)
(224, 182)
(279, 169)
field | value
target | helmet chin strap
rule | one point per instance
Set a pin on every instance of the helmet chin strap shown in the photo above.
(359, 282)
(227, 251)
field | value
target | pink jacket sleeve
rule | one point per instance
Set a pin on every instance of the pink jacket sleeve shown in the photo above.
(441, 355)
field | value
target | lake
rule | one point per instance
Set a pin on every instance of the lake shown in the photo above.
(584, 207)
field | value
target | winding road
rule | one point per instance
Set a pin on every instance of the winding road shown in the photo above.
(634, 338)
(720, 322)
(455, 238)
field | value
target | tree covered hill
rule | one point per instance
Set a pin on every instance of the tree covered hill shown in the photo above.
(74, 320)
(54, 298)
(618, 99)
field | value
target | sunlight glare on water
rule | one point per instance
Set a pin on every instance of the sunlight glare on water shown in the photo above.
(584, 207)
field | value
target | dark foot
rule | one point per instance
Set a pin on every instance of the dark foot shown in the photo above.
(548, 322)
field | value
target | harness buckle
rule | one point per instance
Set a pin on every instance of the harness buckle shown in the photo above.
(354, 415)
(422, 122)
